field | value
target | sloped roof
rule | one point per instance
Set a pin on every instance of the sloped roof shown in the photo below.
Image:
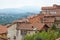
(3, 29)
(25, 26)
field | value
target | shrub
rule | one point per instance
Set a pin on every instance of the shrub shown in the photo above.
(53, 27)
(50, 35)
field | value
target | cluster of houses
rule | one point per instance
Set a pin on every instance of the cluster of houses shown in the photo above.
(36, 23)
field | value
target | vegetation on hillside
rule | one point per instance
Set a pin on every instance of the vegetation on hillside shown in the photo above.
(9, 18)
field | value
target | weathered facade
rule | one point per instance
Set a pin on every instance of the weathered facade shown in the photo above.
(54, 11)
(11, 31)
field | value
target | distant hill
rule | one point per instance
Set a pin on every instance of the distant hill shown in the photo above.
(10, 14)
(9, 18)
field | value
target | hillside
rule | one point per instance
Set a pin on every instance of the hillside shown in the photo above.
(9, 18)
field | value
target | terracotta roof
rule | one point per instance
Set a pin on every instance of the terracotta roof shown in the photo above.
(36, 19)
(32, 16)
(3, 29)
(39, 26)
(25, 26)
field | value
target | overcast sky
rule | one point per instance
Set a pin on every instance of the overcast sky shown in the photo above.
(21, 3)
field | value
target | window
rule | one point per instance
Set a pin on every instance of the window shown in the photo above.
(52, 12)
(14, 37)
(46, 16)
(23, 32)
(57, 18)
(47, 11)
(32, 27)
(44, 11)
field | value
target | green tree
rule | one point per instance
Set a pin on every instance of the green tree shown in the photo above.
(53, 27)
(50, 35)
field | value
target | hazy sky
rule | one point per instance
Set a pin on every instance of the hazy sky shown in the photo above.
(22, 3)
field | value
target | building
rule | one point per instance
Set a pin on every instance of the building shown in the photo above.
(3, 33)
(54, 11)
(48, 19)
(28, 28)
(11, 31)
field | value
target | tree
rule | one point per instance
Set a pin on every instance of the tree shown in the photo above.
(53, 27)
(50, 35)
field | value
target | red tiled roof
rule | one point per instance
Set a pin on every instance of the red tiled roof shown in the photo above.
(39, 26)
(25, 26)
(3, 29)
(14, 22)
(36, 19)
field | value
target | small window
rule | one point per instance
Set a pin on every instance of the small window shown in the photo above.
(52, 12)
(14, 37)
(23, 32)
(32, 27)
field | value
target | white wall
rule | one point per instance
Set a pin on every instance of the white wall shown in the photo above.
(12, 31)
